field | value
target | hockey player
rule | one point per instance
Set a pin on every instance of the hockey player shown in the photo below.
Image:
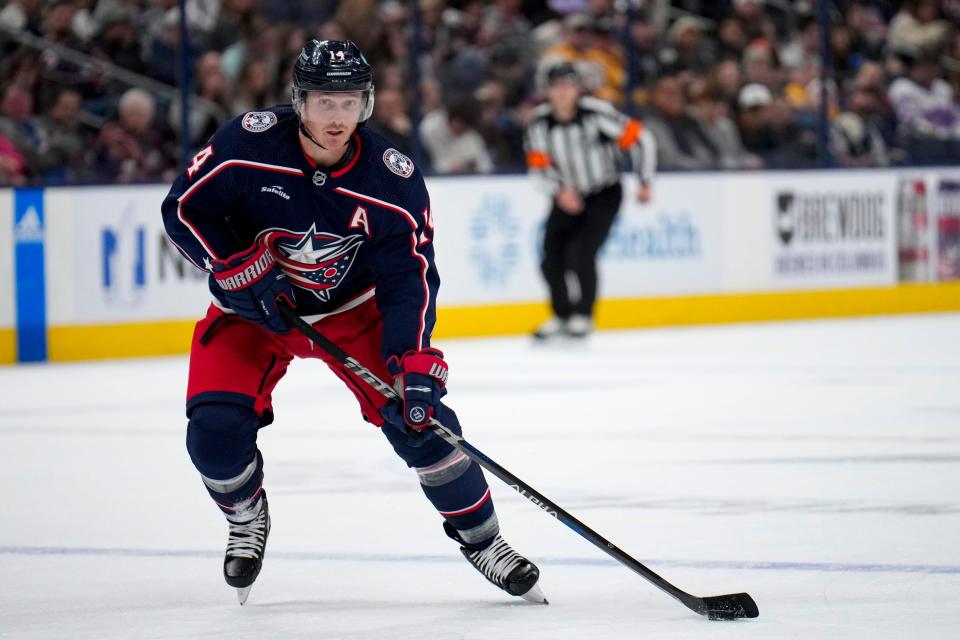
(303, 205)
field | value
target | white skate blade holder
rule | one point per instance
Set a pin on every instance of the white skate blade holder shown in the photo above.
(244, 592)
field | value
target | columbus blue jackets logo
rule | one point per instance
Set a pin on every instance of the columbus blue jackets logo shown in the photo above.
(398, 163)
(313, 260)
(258, 121)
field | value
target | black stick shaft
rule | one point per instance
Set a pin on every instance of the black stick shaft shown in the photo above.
(693, 602)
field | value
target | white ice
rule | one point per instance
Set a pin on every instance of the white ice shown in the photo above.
(814, 465)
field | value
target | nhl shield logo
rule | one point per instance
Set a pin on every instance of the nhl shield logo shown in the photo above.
(314, 260)
(398, 163)
(319, 178)
(258, 121)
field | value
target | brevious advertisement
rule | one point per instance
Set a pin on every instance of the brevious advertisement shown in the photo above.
(831, 231)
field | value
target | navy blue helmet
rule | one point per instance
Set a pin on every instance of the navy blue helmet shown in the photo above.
(333, 65)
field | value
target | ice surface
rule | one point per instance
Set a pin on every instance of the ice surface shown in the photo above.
(814, 465)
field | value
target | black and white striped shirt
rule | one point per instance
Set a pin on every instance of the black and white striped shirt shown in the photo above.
(586, 152)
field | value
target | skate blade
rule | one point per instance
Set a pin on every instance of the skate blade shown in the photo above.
(535, 595)
(243, 593)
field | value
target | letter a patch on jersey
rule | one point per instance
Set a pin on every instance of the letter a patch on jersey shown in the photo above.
(359, 220)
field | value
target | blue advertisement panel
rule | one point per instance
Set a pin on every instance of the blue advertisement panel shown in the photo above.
(28, 235)
(111, 247)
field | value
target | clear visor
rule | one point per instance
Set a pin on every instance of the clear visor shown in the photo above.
(346, 106)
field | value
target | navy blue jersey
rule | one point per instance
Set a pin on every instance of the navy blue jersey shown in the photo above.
(341, 234)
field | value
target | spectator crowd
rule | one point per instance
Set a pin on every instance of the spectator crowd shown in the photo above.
(87, 86)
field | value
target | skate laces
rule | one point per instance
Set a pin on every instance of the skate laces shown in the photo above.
(497, 561)
(246, 540)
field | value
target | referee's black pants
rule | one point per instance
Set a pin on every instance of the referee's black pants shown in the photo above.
(571, 244)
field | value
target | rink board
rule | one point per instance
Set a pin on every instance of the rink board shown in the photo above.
(710, 248)
(627, 313)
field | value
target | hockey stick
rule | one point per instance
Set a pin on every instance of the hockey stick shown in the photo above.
(726, 607)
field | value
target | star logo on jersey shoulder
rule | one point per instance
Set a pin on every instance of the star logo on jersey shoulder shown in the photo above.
(314, 260)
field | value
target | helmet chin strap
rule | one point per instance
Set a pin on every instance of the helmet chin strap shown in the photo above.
(306, 132)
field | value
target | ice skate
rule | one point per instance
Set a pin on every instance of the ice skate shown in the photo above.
(579, 326)
(246, 546)
(504, 567)
(552, 328)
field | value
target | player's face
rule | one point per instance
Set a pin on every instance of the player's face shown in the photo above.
(332, 117)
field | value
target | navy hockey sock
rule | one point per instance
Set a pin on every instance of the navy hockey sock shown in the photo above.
(239, 497)
(222, 442)
(452, 482)
(456, 487)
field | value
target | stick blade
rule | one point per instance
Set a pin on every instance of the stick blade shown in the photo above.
(729, 607)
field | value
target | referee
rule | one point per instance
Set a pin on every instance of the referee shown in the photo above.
(575, 146)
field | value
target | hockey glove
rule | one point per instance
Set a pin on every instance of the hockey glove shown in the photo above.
(252, 284)
(420, 378)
